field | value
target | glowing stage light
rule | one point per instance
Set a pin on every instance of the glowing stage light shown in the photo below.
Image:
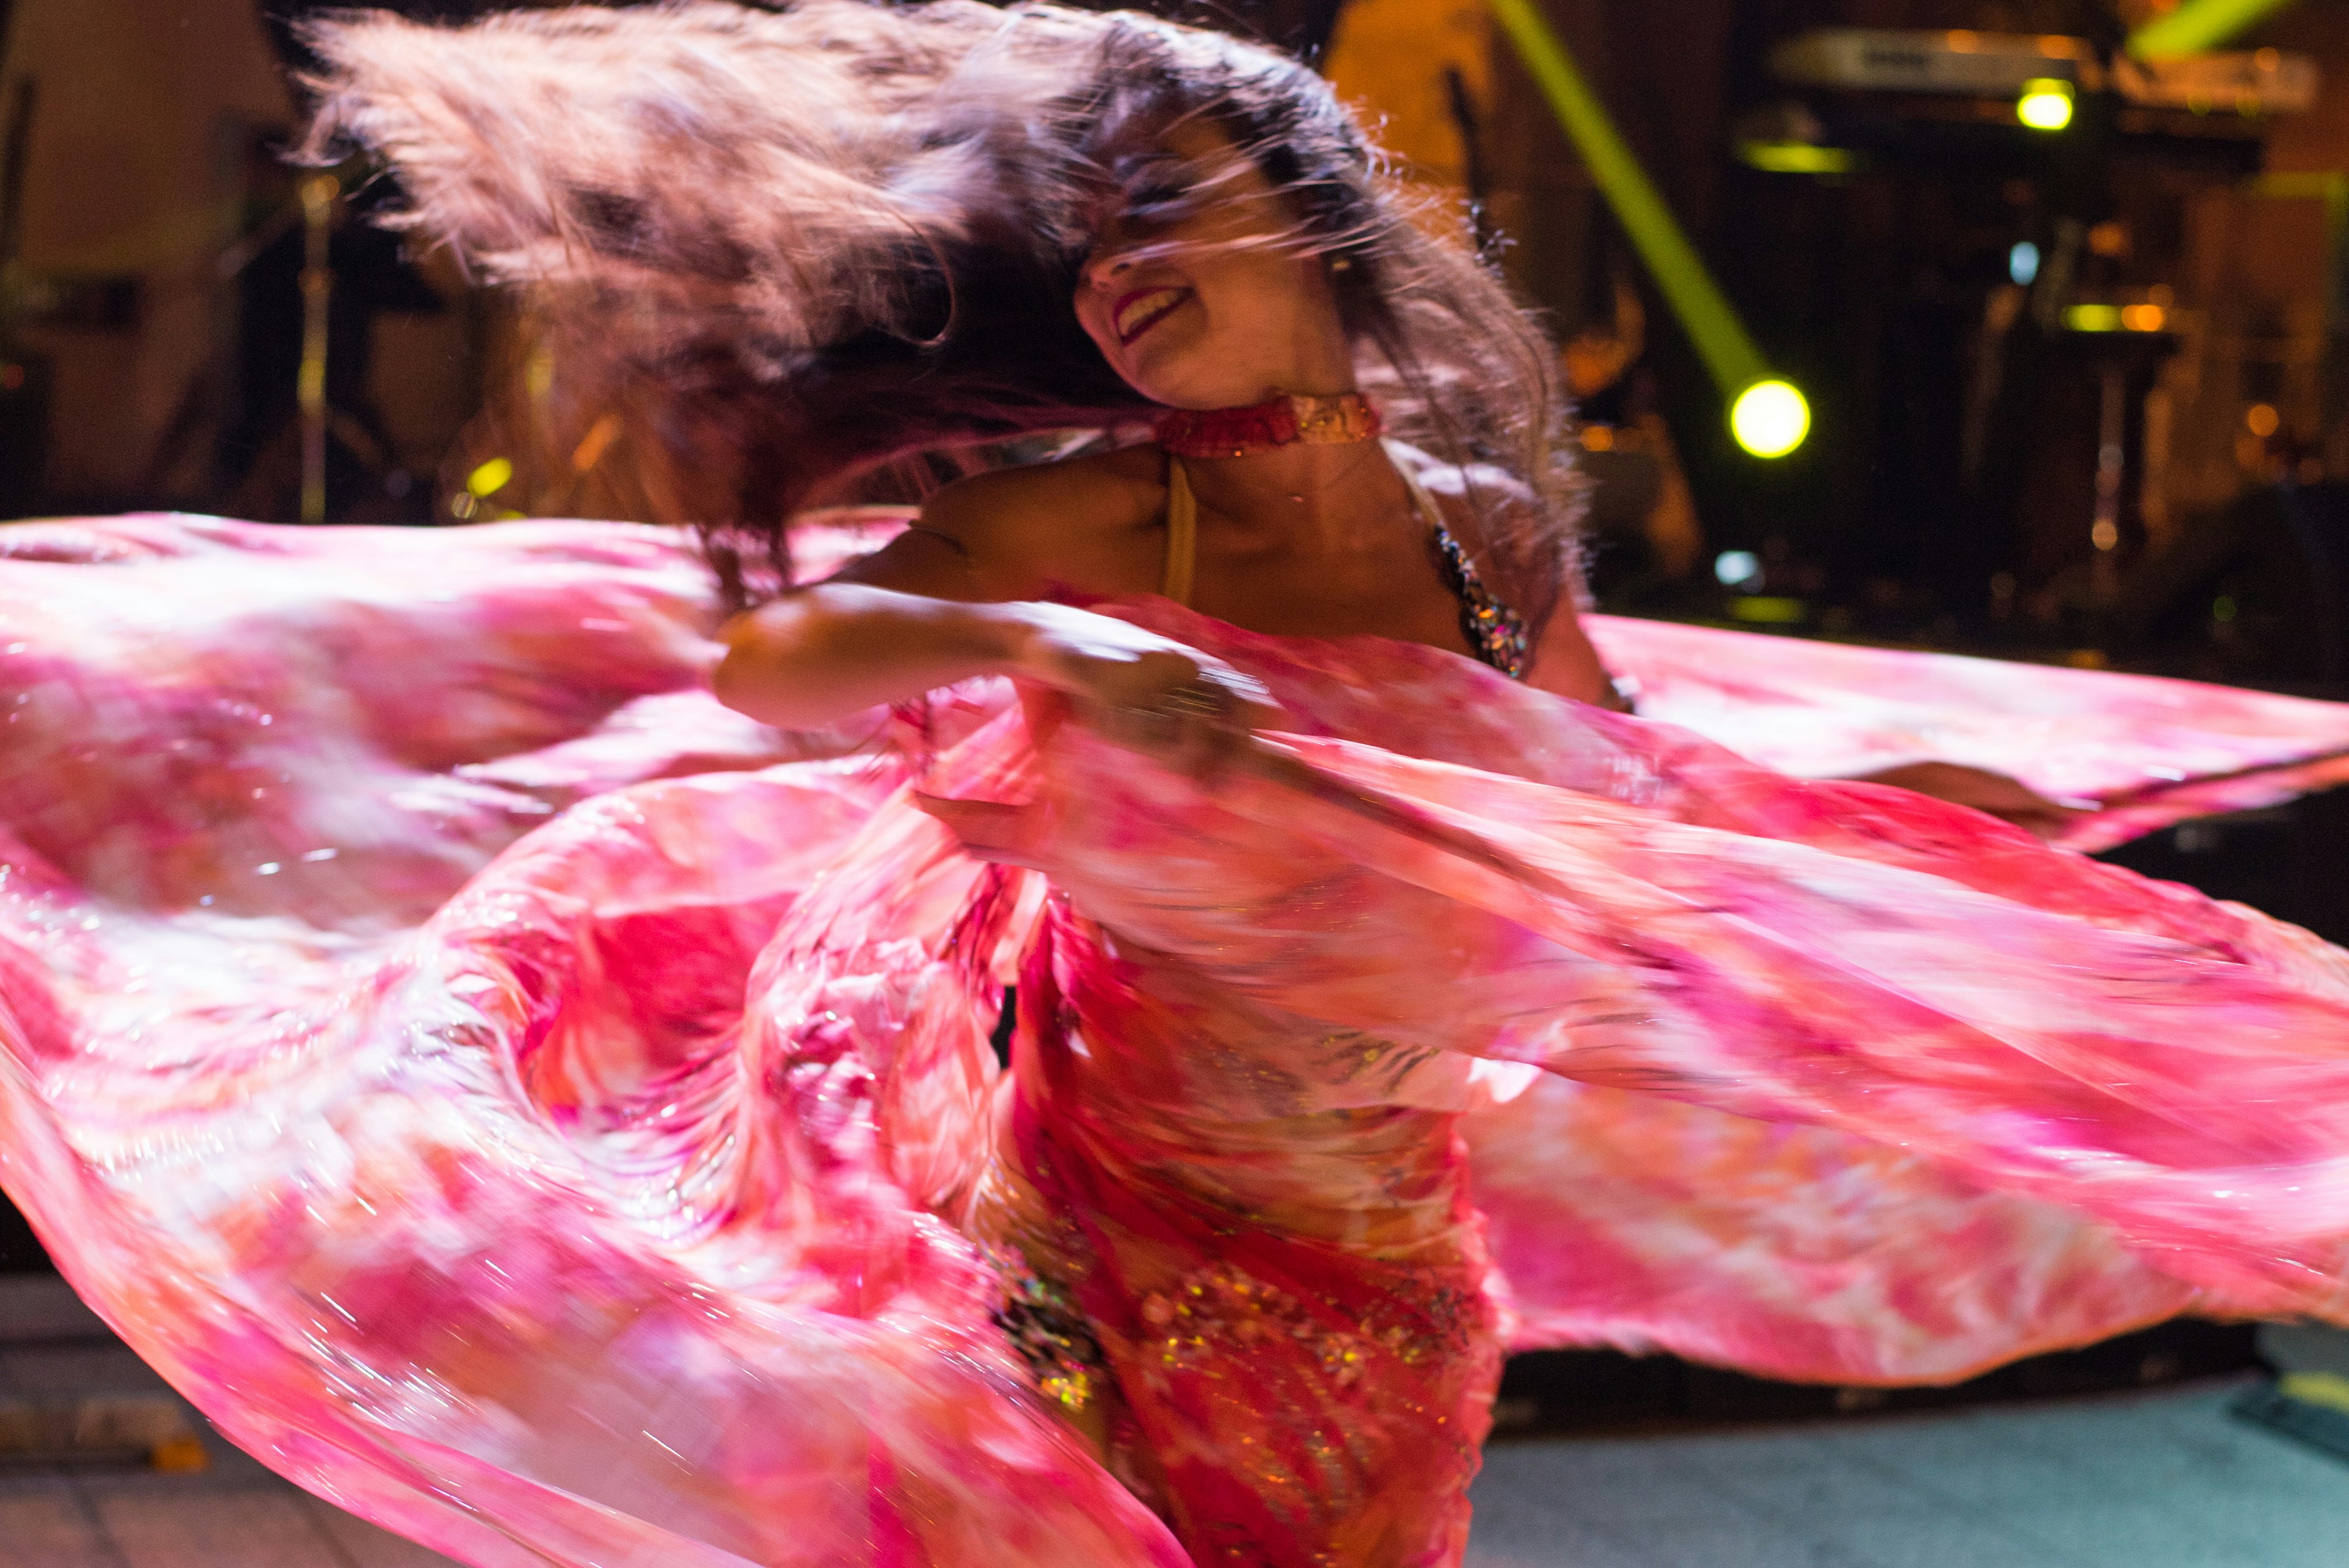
(2196, 26)
(2045, 104)
(1770, 419)
(1774, 410)
(2022, 264)
(2117, 318)
(490, 478)
(1768, 610)
(1736, 568)
(1795, 158)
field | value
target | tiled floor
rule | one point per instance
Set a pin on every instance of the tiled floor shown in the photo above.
(2153, 1480)
(2160, 1481)
(233, 1515)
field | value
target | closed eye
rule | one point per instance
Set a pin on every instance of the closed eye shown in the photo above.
(1157, 193)
(1165, 194)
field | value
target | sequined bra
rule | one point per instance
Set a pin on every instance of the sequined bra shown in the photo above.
(1494, 634)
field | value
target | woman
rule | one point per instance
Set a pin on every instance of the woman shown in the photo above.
(1247, 279)
(658, 1196)
(1346, 1348)
(1229, 242)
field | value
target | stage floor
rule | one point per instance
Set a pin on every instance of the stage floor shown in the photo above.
(2162, 1480)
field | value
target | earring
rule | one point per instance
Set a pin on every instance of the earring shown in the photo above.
(1342, 265)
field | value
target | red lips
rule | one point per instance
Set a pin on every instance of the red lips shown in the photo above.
(1139, 310)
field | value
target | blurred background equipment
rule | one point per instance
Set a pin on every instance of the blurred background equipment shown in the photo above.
(2012, 326)
(24, 371)
(2062, 283)
(1767, 414)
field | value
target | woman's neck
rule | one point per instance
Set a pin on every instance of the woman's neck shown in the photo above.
(1312, 500)
(1328, 488)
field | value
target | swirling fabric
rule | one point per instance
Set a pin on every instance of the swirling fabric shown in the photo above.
(2140, 752)
(552, 1116)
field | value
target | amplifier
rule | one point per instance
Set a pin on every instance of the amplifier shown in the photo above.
(2000, 65)
(1976, 65)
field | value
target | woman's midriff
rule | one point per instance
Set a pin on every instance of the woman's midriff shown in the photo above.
(1243, 1256)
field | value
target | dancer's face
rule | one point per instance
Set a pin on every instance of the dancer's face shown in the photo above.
(1191, 293)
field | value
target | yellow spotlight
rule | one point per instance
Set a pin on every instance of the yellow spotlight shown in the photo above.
(490, 478)
(1795, 158)
(1770, 419)
(2045, 104)
(1768, 611)
(2195, 27)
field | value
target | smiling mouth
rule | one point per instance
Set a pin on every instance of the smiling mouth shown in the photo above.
(1138, 311)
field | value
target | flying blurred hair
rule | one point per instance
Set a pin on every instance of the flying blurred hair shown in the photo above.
(791, 248)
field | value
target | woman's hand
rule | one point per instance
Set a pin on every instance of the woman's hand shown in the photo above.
(1185, 709)
(2009, 800)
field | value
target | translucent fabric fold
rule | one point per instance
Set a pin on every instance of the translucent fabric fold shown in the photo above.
(554, 1117)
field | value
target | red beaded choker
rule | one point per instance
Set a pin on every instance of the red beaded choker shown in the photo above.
(1282, 422)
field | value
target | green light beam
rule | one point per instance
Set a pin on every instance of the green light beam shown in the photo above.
(2196, 26)
(1729, 352)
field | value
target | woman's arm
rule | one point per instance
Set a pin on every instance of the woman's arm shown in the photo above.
(944, 603)
(817, 655)
(1564, 663)
(2009, 799)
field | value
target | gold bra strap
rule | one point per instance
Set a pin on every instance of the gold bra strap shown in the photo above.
(1182, 536)
(1182, 569)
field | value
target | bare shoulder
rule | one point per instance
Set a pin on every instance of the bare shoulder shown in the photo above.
(1472, 496)
(1469, 493)
(1001, 498)
(1015, 533)
(1010, 505)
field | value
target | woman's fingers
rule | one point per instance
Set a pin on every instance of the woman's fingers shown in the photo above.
(1182, 707)
(1995, 793)
(1194, 725)
(988, 830)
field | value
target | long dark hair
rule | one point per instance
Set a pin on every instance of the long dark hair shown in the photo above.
(787, 249)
